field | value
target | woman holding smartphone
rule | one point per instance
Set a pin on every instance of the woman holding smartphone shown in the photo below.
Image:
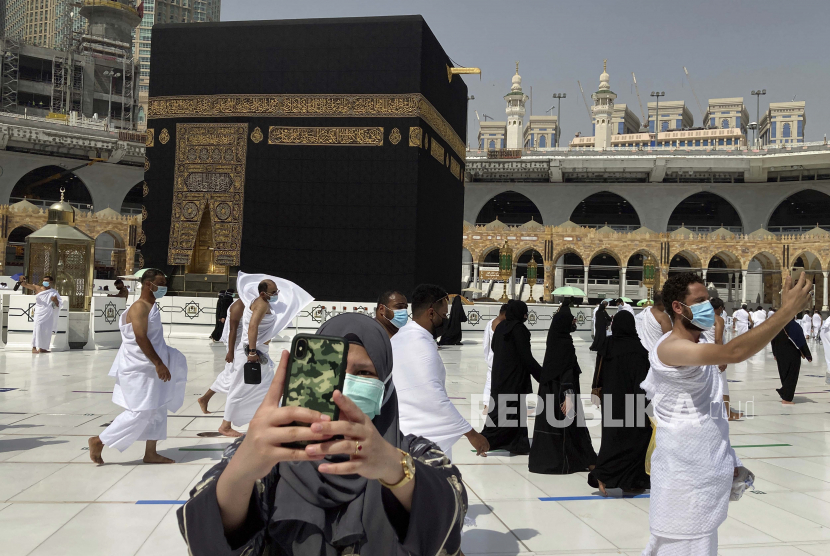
(373, 491)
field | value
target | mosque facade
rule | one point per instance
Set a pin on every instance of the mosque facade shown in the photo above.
(743, 213)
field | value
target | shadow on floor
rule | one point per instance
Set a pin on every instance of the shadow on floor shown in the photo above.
(478, 540)
(23, 444)
(4, 427)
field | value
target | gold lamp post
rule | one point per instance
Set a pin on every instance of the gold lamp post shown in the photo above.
(531, 277)
(649, 276)
(61, 250)
(505, 268)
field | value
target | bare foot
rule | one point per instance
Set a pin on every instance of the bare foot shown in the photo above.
(734, 416)
(34, 350)
(226, 430)
(95, 449)
(785, 402)
(602, 488)
(156, 458)
(44, 351)
(203, 403)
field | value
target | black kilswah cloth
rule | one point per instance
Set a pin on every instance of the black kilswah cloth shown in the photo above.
(559, 450)
(601, 322)
(451, 332)
(622, 453)
(306, 513)
(788, 346)
(513, 365)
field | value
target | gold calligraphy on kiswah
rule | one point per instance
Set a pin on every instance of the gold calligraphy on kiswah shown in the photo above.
(354, 136)
(305, 106)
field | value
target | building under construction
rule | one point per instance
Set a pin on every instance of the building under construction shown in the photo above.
(71, 62)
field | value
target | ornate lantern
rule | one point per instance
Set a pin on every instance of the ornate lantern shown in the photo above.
(64, 252)
(505, 268)
(649, 275)
(531, 277)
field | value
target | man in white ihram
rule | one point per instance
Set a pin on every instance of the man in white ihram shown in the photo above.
(741, 320)
(694, 469)
(419, 375)
(150, 377)
(270, 305)
(231, 336)
(47, 308)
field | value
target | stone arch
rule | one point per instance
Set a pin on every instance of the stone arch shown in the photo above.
(29, 187)
(807, 207)
(133, 200)
(676, 264)
(110, 255)
(605, 207)
(566, 250)
(637, 257)
(770, 277)
(606, 251)
(811, 261)
(603, 278)
(13, 255)
(705, 209)
(482, 257)
(511, 207)
(730, 258)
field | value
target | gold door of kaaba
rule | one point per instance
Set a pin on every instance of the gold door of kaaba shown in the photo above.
(209, 183)
(204, 251)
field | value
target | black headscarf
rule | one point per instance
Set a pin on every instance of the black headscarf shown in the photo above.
(334, 504)
(624, 339)
(560, 354)
(516, 314)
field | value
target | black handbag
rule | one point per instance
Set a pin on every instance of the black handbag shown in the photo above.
(253, 372)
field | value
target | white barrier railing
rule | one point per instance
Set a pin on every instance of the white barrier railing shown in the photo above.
(104, 314)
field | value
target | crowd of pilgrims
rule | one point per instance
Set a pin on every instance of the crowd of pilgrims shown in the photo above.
(380, 479)
(561, 441)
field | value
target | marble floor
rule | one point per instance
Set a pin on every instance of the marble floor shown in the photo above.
(53, 500)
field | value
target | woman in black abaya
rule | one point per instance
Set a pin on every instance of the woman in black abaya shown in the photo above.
(513, 365)
(451, 335)
(558, 449)
(622, 454)
(602, 320)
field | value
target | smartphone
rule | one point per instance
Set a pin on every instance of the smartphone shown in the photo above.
(316, 368)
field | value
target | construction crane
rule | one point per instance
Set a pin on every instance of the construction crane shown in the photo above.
(692, 87)
(644, 123)
(585, 100)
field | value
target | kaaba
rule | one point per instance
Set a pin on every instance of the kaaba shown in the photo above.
(329, 152)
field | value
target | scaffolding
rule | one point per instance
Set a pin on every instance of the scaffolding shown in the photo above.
(67, 84)
(10, 73)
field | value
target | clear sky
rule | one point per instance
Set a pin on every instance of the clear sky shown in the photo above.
(730, 47)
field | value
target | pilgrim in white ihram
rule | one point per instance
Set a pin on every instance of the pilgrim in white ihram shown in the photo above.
(47, 308)
(244, 399)
(146, 399)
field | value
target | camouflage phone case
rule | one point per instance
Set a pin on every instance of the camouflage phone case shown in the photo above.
(313, 376)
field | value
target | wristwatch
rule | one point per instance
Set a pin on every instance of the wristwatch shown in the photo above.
(250, 351)
(408, 471)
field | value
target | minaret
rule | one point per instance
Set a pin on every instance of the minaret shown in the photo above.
(516, 100)
(603, 110)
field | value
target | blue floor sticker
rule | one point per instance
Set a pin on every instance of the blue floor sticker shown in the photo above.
(566, 498)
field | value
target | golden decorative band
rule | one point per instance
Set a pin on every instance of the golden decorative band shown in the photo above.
(150, 137)
(355, 136)
(307, 106)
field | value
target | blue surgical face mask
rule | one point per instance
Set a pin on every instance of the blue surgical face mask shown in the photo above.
(366, 393)
(159, 293)
(401, 317)
(45, 284)
(703, 315)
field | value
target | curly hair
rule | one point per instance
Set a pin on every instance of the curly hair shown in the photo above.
(676, 288)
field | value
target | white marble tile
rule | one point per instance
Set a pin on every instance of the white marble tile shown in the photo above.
(26, 526)
(42, 459)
